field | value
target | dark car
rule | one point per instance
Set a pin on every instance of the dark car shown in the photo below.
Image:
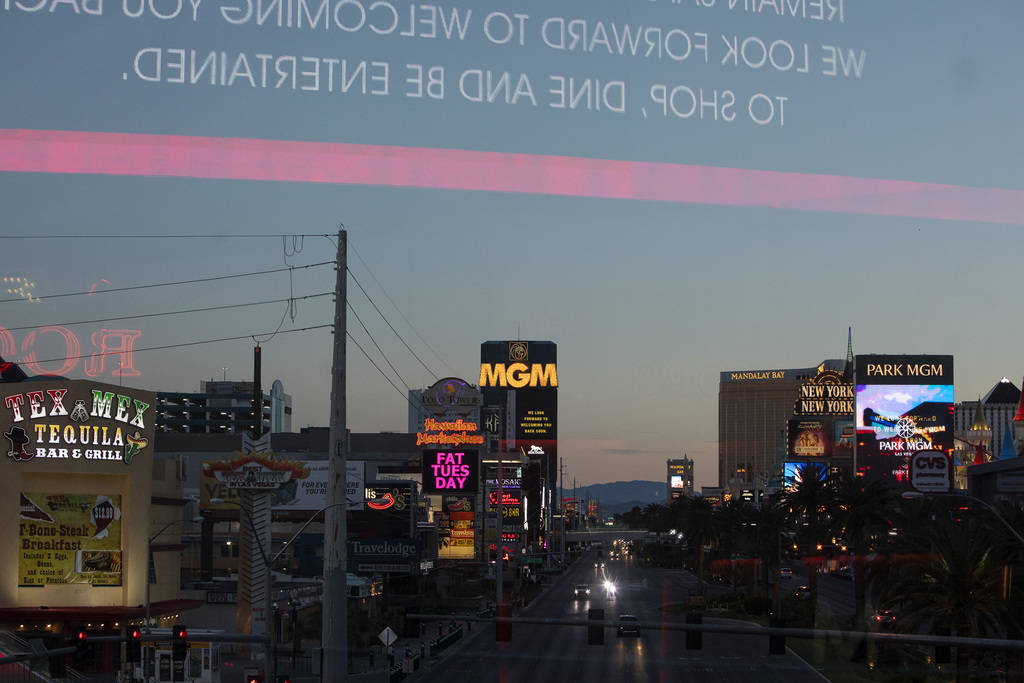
(802, 592)
(629, 625)
(885, 618)
(581, 591)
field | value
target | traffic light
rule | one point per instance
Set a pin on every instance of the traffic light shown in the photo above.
(179, 643)
(58, 663)
(133, 647)
(82, 656)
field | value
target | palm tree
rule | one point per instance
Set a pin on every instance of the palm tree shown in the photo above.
(862, 513)
(808, 504)
(700, 528)
(952, 578)
(768, 524)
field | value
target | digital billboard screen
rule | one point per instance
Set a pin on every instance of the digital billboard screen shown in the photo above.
(809, 438)
(450, 471)
(795, 472)
(904, 405)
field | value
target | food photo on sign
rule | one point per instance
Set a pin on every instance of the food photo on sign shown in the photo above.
(69, 538)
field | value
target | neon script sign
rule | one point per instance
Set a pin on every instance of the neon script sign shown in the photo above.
(106, 346)
(449, 433)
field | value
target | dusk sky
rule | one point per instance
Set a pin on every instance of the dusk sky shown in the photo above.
(655, 247)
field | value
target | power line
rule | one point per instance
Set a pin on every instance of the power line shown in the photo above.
(182, 344)
(170, 284)
(386, 360)
(161, 237)
(186, 310)
(395, 306)
(372, 303)
(382, 373)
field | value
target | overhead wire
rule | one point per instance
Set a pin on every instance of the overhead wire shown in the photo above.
(395, 306)
(183, 344)
(171, 284)
(377, 308)
(246, 235)
(382, 373)
(384, 355)
(166, 313)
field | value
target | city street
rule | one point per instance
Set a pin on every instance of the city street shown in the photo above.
(552, 653)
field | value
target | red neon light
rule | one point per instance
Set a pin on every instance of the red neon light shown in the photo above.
(114, 352)
(55, 151)
(386, 501)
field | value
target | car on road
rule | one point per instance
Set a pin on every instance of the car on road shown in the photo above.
(802, 592)
(786, 573)
(629, 625)
(581, 591)
(885, 618)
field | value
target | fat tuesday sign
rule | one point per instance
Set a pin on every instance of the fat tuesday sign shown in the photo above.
(75, 420)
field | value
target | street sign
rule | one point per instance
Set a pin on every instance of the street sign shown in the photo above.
(387, 636)
(931, 472)
(533, 560)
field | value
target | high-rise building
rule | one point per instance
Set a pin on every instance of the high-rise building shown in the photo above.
(754, 407)
(680, 478)
(222, 407)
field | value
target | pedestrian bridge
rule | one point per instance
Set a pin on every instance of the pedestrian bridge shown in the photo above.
(605, 535)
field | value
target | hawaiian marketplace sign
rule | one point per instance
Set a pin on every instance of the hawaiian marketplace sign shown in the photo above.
(69, 538)
(453, 433)
(255, 471)
(76, 420)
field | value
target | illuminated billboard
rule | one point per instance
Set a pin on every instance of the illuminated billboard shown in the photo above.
(904, 405)
(69, 538)
(450, 471)
(795, 472)
(809, 438)
(59, 421)
(456, 535)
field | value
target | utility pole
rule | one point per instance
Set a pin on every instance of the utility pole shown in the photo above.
(499, 541)
(251, 499)
(561, 502)
(334, 637)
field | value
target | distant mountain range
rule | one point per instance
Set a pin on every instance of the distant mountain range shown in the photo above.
(622, 496)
